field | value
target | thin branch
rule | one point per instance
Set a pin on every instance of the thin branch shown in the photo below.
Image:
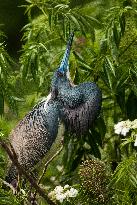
(13, 157)
(48, 162)
(8, 185)
(45, 168)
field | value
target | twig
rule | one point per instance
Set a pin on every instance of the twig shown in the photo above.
(12, 155)
(45, 168)
(48, 162)
(8, 185)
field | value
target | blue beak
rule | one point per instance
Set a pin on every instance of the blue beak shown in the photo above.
(65, 61)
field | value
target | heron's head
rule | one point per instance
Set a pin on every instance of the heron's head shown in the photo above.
(61, 77)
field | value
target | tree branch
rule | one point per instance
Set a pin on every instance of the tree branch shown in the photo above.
(47, 163)
(12, 155)
(8, 185)
(45, 168)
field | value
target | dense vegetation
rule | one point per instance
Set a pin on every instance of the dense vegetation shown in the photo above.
(104, 51)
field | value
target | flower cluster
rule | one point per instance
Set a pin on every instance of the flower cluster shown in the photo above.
(63, 193)
(124, 127)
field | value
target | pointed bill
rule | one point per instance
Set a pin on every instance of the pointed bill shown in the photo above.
(65, 61)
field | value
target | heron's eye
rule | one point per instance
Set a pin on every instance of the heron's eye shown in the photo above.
(60, 74)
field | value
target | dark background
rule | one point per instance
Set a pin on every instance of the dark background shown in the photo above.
(12, 20)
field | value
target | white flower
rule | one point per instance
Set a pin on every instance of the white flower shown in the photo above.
(60, 197)
(134, 124)
(60, 193)
(72, 192)
(59, 168)
(66, 186)
(52, 194)
(52, 178)
(124, 131)
(58, 189)
(23, 192)
(123, 127)
(1, 134)
(118, 128)
(135, 144)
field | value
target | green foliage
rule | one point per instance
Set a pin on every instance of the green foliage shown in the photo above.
(7, 198)
(7, 79)
(47, 31)
(124, 182)
(104, 51)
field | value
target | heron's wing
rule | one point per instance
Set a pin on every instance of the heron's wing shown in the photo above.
(78, 120)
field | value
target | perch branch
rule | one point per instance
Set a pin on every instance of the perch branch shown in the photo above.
(8, 185)
(12, 155)
(45, 168)
(48, 162)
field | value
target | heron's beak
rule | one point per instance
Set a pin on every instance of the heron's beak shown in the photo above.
(64, 66)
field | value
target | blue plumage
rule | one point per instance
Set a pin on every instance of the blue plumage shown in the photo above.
(76, 106)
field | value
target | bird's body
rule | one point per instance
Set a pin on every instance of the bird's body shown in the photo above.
(76, 106)
(33, 136)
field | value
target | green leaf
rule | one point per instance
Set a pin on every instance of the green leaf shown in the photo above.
(101, 126)
(103, 46)
(1, 104)
(120, 96)
(110, 64)
(85, 66)
(93, 137)
(109, 74)
(74, 20)
(122, 23)
(116, 35)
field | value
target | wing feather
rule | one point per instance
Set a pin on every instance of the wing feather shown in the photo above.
(79, 119)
